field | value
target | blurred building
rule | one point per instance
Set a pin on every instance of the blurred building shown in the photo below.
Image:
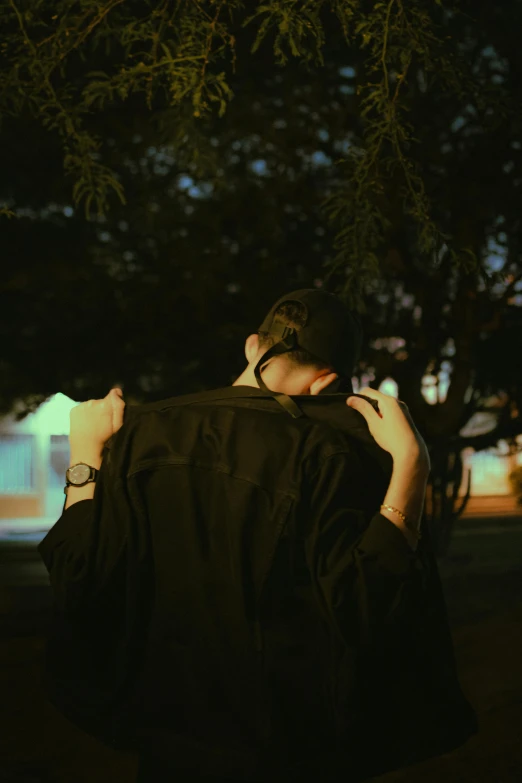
(34, 455)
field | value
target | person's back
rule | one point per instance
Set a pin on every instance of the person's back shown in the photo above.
(242, 594)
(234, 505)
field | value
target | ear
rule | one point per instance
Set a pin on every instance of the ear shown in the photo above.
(322, 382)
(251, 347)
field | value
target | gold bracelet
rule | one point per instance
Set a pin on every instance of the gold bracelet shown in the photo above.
(416, 533)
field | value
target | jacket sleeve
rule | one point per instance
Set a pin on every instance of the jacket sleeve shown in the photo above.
(386, 608)
(100, 569)
(361, 571)
(91, 548)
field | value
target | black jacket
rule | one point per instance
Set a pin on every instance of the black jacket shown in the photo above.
(233, 599)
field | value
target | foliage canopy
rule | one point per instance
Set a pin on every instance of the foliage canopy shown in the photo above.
(65, 62)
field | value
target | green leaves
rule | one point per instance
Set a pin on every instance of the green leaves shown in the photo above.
(93, 184)
(69, 67)
(297, 23)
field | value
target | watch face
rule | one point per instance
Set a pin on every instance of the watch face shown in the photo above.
(79, 474)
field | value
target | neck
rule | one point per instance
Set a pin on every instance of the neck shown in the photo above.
(247, 378)
(277, 379)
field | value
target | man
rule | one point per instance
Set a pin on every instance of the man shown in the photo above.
(241, 588)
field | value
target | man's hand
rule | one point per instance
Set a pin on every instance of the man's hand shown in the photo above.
(392, 428)
(95, 421)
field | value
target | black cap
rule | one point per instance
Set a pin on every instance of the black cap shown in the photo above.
(332, 333)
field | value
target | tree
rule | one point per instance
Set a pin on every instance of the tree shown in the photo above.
(212, 186)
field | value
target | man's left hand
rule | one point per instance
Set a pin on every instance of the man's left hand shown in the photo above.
(93, 422)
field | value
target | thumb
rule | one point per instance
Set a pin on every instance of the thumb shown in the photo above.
(115, 396)
(363, 406)
(118, 407)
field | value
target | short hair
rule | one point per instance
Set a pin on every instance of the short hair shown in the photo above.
(293, 315)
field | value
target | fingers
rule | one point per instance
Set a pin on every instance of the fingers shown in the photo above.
(382, 399)
(363, 406)
(378, 395)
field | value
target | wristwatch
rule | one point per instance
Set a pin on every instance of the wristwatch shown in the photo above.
(79, 475)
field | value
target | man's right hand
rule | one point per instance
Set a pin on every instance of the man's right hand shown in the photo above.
(393, 429)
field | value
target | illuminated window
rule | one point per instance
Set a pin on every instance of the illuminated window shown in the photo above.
(16, 464)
